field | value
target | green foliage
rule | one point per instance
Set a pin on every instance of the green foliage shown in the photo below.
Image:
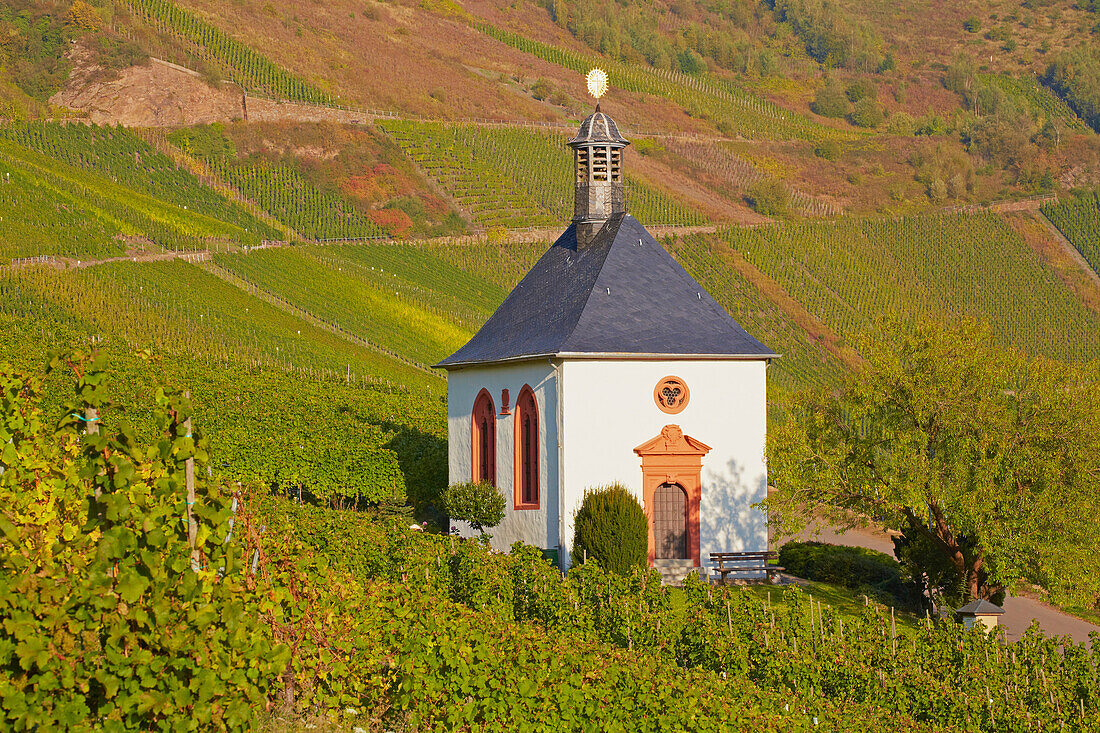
(348, 301)
(112, 617)
(805, 360)
(830, 100)
(858, 568)
(287, 404)
(866, 113)
(436, 623)
(480, 505)
(1078, 218)
(34, 45)
(945, 434)
(611, 528)
(245, 66)
(769, 197)
(831, 35)
(972, 25)
(1075, 76)
(860, 89)
(118, 207)
(732, 109)
(827, 150)
(927, 569)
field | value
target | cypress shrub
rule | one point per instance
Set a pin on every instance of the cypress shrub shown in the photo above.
(612, 528)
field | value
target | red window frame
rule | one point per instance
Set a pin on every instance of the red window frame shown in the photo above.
(483, 440)
(526, 485)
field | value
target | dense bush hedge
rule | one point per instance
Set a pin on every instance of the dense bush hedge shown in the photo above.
(874, 573)
(611, 528)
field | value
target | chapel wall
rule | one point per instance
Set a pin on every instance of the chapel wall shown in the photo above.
(608, 409)
(538, 527)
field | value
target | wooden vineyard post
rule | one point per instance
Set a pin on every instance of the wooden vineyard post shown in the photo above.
(91, 427)
(189, 478)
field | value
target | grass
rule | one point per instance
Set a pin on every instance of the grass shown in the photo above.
(846, 602)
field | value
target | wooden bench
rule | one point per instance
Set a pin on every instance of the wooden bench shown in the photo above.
(744, 562)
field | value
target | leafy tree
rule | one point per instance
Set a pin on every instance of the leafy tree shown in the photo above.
(480, 505)
(861, 89)
(831, 101)
(866, 113)
(992, 457)
(769, 197)
(611, 528)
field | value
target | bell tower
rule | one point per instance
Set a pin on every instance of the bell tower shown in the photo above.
(598, 171)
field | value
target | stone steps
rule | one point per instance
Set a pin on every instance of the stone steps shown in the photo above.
(673, 572)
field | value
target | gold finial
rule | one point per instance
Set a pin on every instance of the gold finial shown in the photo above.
(597, 82)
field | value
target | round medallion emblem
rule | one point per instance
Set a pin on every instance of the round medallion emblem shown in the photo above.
(671, 395)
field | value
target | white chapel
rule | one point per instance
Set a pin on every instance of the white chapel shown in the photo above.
(609, 363)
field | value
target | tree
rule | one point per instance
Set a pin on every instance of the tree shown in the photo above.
(990, 456)
(478, 504)
(866, 113)
(831, 101)
(769, 197)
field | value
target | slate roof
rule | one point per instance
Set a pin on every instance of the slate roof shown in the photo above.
(981, 608)
(598, 128)
(621, 295)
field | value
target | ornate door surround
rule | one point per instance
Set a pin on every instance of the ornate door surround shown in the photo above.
(673, 458)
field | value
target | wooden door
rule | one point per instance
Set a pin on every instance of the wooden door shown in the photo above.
(670, 522)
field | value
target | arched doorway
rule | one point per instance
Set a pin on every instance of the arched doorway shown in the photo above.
(670, 522)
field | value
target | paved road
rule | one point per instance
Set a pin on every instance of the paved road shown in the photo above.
(1019, 611)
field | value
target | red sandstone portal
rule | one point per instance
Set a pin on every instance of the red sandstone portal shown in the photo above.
(673, 458)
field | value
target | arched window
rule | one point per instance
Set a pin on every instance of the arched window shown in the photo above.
(527, 450)
(483, 443)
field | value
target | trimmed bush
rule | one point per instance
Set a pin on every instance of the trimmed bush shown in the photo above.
(479, 505)
(873, 573)
(611, 527)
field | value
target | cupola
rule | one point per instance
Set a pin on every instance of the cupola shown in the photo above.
(598, 174)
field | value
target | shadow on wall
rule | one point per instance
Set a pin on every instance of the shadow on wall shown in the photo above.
(727, 520)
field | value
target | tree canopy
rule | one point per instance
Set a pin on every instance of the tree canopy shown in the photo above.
(991, 456)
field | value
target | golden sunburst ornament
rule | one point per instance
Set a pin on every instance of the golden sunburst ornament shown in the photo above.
(597, 82)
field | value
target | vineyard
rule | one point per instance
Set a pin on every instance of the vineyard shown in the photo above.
(511, 177)
(852, 273)
(38, 221)
(346, 299)
(735, 112)
(286, 403)
(1040, 98)
(132, 213)
(248, 68)
(363, 621)
(1078, 218)
(805, 363)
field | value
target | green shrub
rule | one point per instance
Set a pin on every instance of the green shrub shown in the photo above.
(866, 113)
(861, 89)
(829, 150)
(611, 528)
(479, 505)
(972, 25)
(873, 573)
(769, 197)
(831, 101)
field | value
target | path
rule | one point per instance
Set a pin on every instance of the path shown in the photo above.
(1019, 611)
